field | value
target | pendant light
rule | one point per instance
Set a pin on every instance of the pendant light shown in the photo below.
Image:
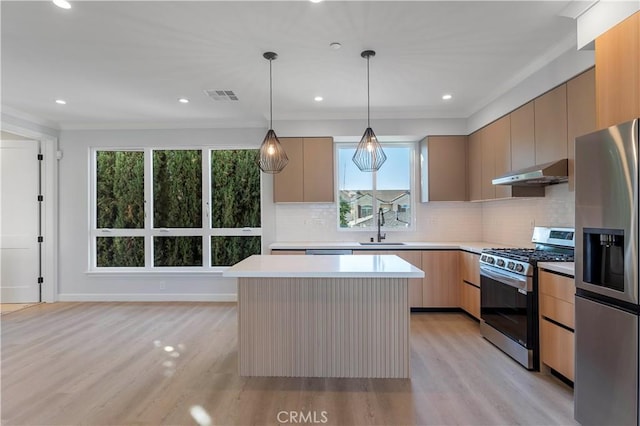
(369, 155)
(272, 156)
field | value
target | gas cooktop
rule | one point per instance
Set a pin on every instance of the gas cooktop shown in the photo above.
(531, 255)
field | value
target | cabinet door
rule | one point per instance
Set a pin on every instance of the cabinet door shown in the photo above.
(581, 112)
(440, 288)
(618, 73)
(318, 170)
(470, 267)
(446, 172)
(288, 184)
(499, 134)
(557, 348)
(523, 144)
(488, 191)
(470, 299)
(551, 125)
(414, 257)
(475, 166)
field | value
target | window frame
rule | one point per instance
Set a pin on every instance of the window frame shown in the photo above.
(206, 232)
(413, 150)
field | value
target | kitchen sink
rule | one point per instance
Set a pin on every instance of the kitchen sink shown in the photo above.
(380, 244)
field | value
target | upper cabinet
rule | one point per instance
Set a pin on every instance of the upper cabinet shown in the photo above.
(489, 156)
(308, 177)
(444, 168)
(550, 112)
(475, 166)
(618, 73)
(523, 143)
(499, 133)
(581, 113)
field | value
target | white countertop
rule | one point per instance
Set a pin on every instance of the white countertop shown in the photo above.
(473, 246)
(567, 268)
(330, 266)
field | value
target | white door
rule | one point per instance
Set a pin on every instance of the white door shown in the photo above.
(19, 247)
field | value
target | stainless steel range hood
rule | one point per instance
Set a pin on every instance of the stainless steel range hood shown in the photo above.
(539, 175)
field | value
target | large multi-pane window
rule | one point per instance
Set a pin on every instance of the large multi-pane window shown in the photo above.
(363, 194)
(174, 208)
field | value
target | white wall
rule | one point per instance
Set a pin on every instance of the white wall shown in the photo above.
(568, 65)
(75, 283)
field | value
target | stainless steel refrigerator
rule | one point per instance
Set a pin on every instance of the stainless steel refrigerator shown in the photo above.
(606, 256)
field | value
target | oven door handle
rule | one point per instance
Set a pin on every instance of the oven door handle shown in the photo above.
(512, 280)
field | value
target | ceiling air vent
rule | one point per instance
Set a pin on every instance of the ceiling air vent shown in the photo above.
(221, 95)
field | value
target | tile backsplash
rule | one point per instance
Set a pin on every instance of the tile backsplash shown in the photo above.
(502, 221)
(512, 221)
(434, 222)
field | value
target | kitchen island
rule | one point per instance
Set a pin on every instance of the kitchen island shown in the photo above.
(323, 316)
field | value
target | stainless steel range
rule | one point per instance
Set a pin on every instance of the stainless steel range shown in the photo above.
(509, 292)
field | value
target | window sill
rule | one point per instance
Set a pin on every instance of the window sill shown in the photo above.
(168, 272)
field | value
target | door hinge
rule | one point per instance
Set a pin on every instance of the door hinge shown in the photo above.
(40, 239)
(40, 280)
(40, 157)
(40, 197)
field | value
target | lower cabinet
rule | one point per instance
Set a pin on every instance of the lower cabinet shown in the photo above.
(470, 283)
(440, 287)
(470, 299)
(557, 313)
(414, 257)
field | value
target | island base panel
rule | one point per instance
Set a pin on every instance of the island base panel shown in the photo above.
(323, 327)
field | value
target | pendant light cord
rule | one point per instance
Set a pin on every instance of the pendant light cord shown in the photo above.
(368, 100)
(270, 97)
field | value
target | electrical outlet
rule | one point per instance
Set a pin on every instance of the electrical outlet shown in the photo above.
(162, 285)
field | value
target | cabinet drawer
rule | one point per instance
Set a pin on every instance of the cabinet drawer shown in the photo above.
(558, 310)
(558, 348)
(558, 286)
(470, 299)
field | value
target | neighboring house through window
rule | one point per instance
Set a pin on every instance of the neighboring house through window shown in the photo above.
(362, 194)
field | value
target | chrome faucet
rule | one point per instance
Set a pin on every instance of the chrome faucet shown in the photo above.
(380, 224)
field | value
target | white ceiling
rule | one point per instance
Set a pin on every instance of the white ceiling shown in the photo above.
(127, 63)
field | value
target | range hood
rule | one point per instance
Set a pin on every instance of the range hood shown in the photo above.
(539, 175)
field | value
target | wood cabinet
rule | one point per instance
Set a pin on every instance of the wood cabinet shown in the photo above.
(499, 137)
(414, 257)
(550, 112)
(308, 177)
(581, 113)
(557, 322)
(470, 283)
(443, 168)
(281, 252)
(523, 143)
(488, 191)
(489, 157)
(475, 166)
(618, 73)
(440, 288)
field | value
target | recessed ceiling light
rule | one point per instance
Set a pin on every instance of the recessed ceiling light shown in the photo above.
(335, 45)
(64, 4)
(61, 101)
(446, 97)
(318, 98)
(183, 100)
(315, 1)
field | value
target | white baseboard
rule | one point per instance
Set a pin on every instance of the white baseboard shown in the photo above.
(98, 297)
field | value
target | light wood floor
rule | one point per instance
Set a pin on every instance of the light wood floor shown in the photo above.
(6, 308)
(106, 364)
